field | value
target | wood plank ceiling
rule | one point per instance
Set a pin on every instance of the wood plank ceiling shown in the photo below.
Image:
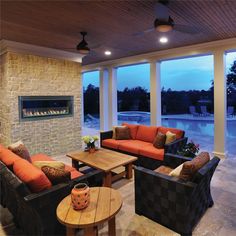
(112, 24)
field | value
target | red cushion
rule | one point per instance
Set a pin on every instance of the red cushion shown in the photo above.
(42, 157)
(132, 146)
(112, 143)
(146, 133)
(179, 133)
(7, 156)
(152, 152)
(74, 173)
(133, 129)
(32, 176)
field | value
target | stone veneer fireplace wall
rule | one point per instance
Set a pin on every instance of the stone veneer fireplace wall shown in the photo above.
(29, 75)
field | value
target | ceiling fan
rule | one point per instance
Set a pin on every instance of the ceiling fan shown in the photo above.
(164, 23)
(82, 47)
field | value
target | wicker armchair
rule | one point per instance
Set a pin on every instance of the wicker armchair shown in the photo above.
(171, 202)
(35, 213)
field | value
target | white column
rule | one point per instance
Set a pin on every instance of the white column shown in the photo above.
(112, 97)
(103, 101)
(219, 104)
(155, 93)
(82, 101)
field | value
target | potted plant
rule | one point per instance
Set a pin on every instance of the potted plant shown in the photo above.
(90, 142)
(189, 150)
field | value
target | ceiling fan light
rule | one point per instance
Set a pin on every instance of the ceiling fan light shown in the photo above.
(83, 51)
(164, 28)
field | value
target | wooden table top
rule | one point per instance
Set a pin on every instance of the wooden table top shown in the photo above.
(102, 159)
(104, 204)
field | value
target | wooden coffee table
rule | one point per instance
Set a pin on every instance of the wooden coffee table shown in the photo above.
(105, 160)
(104, 204)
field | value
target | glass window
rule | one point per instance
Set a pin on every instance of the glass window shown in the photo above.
(133, 94)
(91, 99)
(187, 98)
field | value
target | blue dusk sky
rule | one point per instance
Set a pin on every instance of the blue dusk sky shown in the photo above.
(195, 73)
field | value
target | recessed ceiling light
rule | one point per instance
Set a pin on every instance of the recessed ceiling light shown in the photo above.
(108, 53)
(163, 40)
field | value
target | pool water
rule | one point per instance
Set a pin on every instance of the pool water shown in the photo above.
(199, 131)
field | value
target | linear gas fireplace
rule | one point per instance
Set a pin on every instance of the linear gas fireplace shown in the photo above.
(45, 107)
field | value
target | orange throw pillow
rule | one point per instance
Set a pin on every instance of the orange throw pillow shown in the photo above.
(132, 128)
(8, 157)
(36, 180)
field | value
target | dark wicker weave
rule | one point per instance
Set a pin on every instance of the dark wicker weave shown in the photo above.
(143, 161)
(35, 213)
(171, 202)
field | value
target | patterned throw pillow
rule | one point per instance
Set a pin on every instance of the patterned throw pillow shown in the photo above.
(159, 141)
(191, 167)
(56, 164)
(114, 131)
(170, 137)
(122, 133)
(20, 150)
(56, 176)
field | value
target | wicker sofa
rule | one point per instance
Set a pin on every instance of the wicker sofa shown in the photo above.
(172, 202)
(141, 144)
(35, 212)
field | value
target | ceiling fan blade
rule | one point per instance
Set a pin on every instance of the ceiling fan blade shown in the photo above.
(66, 48)
(95, 46)
(143, 32)
(161, 11)
(186, 29)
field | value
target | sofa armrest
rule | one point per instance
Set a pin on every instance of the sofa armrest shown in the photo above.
(105, 135)
(156, 192)
(92, 178)
(174, 160)
(162, 177)
(176, 145)
(57, 192)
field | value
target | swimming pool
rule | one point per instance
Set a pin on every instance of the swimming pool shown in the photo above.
(200, 131)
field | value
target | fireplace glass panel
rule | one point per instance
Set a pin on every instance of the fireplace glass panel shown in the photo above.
(45, 107)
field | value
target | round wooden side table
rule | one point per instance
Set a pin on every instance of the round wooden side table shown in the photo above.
(104, 204)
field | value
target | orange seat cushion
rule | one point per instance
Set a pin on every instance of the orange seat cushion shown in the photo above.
(132, 146)
(163, 170)
(133, 129)
(152, 152)
(36, 180)
(112, 143)
(179, 133)
(42, 157)
(146, 133)
(8, 157)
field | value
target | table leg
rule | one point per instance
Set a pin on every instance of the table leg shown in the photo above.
(112, 227)
(107, 179)
(70, 231)
(75, 164)
(91, 231)
(129, 172)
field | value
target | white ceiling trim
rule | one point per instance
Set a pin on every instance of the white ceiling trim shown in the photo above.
(12, 46)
